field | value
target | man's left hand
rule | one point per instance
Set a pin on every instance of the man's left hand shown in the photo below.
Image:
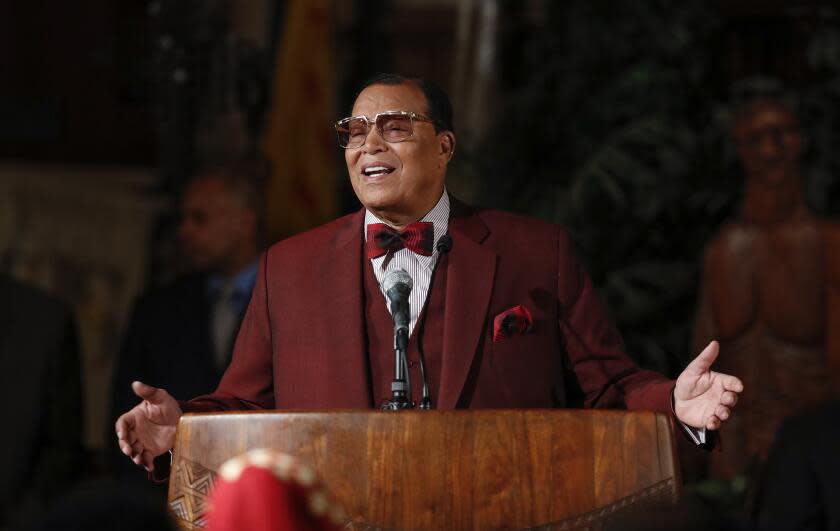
(704, 398)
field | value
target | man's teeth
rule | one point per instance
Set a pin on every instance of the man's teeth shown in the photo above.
(376, 170)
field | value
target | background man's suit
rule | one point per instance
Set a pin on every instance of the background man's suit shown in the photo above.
(40, 385)
(303, 341)
(800, 490)
(168, 343)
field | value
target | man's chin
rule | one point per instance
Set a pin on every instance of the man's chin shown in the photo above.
(778, 179)
(382, 210)
(376, 199)
(200, 264)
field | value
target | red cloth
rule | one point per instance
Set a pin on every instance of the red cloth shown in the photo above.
(302, 343)
(268, 491)
(516, 320)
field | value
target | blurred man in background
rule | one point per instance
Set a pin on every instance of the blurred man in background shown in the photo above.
(799, 488)
(181, 335)
(40, 384)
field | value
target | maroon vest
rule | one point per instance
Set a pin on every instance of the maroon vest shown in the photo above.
(427, 335)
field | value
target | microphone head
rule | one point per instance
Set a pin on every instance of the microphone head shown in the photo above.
(444, 244)
(398, 276)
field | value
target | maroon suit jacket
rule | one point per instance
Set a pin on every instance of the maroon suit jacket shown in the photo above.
(302, 341)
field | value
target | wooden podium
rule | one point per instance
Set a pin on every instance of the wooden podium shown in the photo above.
(489, 469)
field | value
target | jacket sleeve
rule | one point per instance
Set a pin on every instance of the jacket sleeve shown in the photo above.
(595, 350)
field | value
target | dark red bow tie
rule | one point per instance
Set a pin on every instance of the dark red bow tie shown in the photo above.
(418, 237)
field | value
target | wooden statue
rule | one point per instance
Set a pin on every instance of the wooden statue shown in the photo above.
(769, 290)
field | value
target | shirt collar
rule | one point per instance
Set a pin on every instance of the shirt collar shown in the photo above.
(243, 281)
(438, 216)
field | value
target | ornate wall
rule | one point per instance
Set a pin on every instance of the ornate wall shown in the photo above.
(83, 234)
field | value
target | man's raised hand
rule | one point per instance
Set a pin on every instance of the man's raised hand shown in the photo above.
(704, 398)
(148, 430)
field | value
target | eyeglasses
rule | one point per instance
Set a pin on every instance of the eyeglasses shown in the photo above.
(393, 126)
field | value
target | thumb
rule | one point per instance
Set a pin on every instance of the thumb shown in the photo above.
(703, 362)
(147, 392)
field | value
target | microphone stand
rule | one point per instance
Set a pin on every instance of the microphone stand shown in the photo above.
(401, 384)
(425, 400)
(398, 287)
(444, 245)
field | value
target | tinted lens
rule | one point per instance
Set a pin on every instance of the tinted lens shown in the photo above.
(394, 127)
(352, 132)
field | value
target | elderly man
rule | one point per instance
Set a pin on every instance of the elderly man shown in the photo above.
(501, 309)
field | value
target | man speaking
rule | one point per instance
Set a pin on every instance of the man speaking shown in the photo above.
(501, 310)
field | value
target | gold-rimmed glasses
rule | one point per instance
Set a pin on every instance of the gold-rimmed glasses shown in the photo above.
(393, 126)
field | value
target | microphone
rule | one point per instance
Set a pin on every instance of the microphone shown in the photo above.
(444, 244)
(398, 285)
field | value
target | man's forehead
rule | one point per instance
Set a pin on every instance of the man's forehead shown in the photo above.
(204, 185)
(765, 112)
(379, 98)
(209, 189)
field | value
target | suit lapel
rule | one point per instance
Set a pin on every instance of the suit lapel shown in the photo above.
(344, 317)
(470, 276)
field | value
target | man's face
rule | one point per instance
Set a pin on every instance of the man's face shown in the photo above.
(214, 225)
(769, 143)
(415, 169)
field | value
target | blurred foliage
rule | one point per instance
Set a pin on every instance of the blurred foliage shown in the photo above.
(612, 125)
(819, 111)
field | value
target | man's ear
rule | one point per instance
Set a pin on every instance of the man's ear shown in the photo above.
(447, 144)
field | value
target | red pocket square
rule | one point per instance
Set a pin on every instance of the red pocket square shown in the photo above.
(514, 321)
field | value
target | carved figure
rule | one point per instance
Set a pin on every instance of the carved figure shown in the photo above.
(766, 292)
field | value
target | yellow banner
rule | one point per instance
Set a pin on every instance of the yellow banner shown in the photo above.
(299, 140)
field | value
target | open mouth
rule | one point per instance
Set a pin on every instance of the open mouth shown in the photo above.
(377, 170)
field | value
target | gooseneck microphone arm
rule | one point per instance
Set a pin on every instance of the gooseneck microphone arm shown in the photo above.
(444, 245)
(398, 285)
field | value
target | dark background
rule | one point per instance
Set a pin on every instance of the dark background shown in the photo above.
(607, 116)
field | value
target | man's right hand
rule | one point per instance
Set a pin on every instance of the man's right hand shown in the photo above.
(148, 430)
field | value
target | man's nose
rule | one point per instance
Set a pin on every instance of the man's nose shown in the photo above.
(771, 145)
(374, 143)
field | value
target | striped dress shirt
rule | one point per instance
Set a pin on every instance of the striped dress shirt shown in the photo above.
(419, 267)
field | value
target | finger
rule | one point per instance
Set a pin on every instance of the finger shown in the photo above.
(731, 383)
(146, 392)
(722, 412)
(148, 461)
(153, 395)
(126, 449)
(704, 360)
(124, 425)
(137, 448)
(728, 398)
(713, 423)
